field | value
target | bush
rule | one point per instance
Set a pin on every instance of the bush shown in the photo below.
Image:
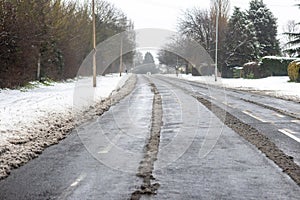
(275, 66)
(250, 76)
(253, 70)
(228, 71)
(294, 71)
(237, 72)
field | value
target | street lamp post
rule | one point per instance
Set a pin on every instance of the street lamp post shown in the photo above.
(94, 46)
(121, 57)
(217, 35)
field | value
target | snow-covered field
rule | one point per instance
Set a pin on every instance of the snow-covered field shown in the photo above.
(20, 110)
(277, 86)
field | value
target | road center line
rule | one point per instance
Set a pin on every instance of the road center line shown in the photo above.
(77, 181)
(72, 187)
(145, 170)
(201, 93)
(110, 145)
(228, 104)
(214, 98)
(278, 115)
(296, 121)
(255, 117)
(289, 133)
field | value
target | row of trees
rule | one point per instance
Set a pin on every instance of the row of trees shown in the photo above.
(50, 38)
(244, 36)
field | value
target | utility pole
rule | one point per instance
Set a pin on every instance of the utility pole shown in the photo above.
(217, 35)
(94, 46)
(177, 68)
(121, 57)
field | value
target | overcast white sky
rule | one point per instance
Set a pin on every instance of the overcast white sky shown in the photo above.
(164, 13)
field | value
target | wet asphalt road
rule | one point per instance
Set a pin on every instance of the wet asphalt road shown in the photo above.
(199, 157)
(282, 129)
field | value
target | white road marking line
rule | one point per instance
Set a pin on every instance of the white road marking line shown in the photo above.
(71, 188)
(278, 115)
(255, 117)
(201, 93)
(110, 145)
(289, 133)
(296, 121)
(77, 181)
(228, 104)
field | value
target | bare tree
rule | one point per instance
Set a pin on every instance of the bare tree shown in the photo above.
(224, 7)
(200, 25)
(197, 24)
(51, 37)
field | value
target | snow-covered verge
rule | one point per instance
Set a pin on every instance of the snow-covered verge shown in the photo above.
(277, 86)
(35, 119)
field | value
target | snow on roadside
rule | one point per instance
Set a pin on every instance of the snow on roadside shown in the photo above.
(277, 86)
(21, 110)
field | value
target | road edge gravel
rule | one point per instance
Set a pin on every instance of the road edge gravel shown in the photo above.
(31, 145)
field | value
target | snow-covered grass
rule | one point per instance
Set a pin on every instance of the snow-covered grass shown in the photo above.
(25, 107)
(278, 86)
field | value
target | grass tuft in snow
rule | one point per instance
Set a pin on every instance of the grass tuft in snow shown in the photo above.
(36, 84)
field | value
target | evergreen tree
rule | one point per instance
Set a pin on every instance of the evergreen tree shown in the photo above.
(294, 43)
(148, 58)
(167, 58)
(241, 42)
(265, 26)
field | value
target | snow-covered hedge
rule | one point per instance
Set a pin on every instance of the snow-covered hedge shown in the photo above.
(275, 66)
(294, 71)
(253, 70)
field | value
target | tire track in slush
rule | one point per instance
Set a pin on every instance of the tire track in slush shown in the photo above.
(151, 150)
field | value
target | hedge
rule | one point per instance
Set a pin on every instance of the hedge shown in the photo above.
(294, 71)
(253, 70)
(275, 66)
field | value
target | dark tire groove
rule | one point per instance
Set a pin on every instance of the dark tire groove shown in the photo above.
(151, 150)
(252, 135)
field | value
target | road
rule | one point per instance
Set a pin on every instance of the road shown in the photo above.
(197, 153)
